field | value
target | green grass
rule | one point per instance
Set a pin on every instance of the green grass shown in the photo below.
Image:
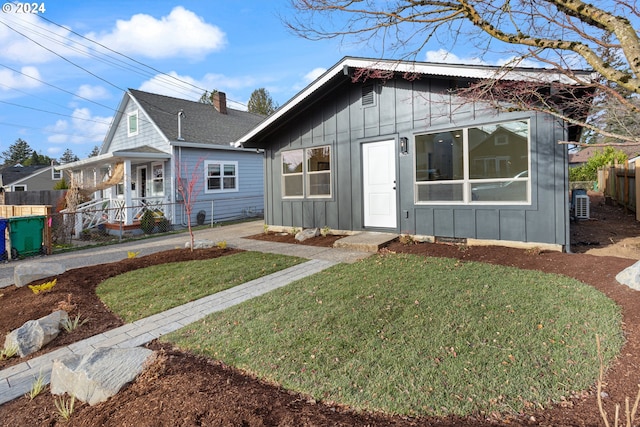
(141, 293)
(419, 336)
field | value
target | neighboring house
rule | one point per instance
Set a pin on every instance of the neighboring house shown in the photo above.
(581, 157)
(152, 139)
(402, 154)
(29, 178)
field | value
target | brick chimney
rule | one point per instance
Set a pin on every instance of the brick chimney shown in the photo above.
(220, 102)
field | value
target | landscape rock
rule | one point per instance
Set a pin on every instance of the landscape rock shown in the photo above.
(308, 233)
(630, 276)
(28, 272)
(35, 334)
(200, 244)
(95, 377)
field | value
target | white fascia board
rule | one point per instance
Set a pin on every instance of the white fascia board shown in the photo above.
(232, 146)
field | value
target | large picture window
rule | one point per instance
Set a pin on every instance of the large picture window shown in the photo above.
(221, 176)
(483, 164)
(307, 172)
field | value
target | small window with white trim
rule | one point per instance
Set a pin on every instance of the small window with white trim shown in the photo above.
(307, 173)
(132, 123)
(221, 176)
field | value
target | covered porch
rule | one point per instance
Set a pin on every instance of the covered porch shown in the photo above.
(111, 191)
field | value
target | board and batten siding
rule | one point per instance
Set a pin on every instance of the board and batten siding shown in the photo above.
(403, 109)
(248, 201)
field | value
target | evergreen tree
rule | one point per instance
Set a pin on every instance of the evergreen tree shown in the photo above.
(261, 102)
(95, 151)
(18, 152)
(68, 157)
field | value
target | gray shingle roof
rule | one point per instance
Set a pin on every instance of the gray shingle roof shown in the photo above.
(11, 174)
(201, 123)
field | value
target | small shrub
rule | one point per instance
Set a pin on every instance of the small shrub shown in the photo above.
(36, 289)
(65, 407)
(66, 305)
(71, 325)
(8, 352)
(222, 244)
(265, 229)
(324, 231)
(147, 222)
(132, 254)
(294, 231)
(37, 387)
(407, 239)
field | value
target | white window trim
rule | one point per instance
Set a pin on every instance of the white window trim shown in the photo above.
(466, 181)
(55, 174)
(305, 176)
(23, 186)
(129, 115)
(222, 164)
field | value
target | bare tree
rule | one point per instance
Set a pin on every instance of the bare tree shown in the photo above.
(188, 188)
(562, 35)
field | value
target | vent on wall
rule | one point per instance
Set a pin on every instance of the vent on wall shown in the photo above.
(582, 207)
(367, 95)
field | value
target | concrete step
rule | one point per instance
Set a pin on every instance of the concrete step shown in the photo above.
(366, 241)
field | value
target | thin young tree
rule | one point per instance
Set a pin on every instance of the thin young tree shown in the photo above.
(189, 188)
(561, 35)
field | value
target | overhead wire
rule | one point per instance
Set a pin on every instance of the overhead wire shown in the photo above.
(165, 78)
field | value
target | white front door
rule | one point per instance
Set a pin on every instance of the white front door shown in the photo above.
(379, 184)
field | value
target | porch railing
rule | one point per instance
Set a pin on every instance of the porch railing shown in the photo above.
(94, 213)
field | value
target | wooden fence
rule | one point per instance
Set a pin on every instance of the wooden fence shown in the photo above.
(618, 184)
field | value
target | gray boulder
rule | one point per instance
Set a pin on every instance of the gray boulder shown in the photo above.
(95, 377)
(308, 233)
(35, 334)
(29, 271)
(200, 244)
(630, 276)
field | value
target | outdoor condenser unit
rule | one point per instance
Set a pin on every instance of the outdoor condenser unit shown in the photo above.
(582, 207)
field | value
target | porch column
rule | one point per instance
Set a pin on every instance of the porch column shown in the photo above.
(128, 204)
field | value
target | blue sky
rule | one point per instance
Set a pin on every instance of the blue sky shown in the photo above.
(59, 91)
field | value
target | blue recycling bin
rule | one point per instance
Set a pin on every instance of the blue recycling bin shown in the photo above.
(3, 245)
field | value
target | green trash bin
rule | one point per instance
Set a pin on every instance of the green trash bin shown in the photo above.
(25, 235)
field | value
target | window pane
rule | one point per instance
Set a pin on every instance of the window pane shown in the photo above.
(133, 123)
(320, 184)
(499, 150)
(319, 159)
(292, 185)
(213, 184)
(292, 162)
(229, 183)
(229, 170)
(439, 192)
(214, 170)
(439, 157)
(509, 191)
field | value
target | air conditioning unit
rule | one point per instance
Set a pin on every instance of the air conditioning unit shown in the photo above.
(581, 208)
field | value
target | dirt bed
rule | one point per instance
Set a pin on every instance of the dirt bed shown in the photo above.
(185, 390)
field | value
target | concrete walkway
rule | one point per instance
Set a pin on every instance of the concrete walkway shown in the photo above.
(16, 380)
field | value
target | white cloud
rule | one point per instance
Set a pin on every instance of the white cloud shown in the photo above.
(443, 56)
(314, 74)
(82, 128)
(182, 33)
(18, 48)
(171, 86)
(92, 92)
(27, 80)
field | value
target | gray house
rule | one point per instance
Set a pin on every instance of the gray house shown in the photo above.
(154, 142)
(29, 178)
(402, 153)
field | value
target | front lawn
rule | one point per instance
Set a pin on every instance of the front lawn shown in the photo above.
(413, 335)
(141, 293)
